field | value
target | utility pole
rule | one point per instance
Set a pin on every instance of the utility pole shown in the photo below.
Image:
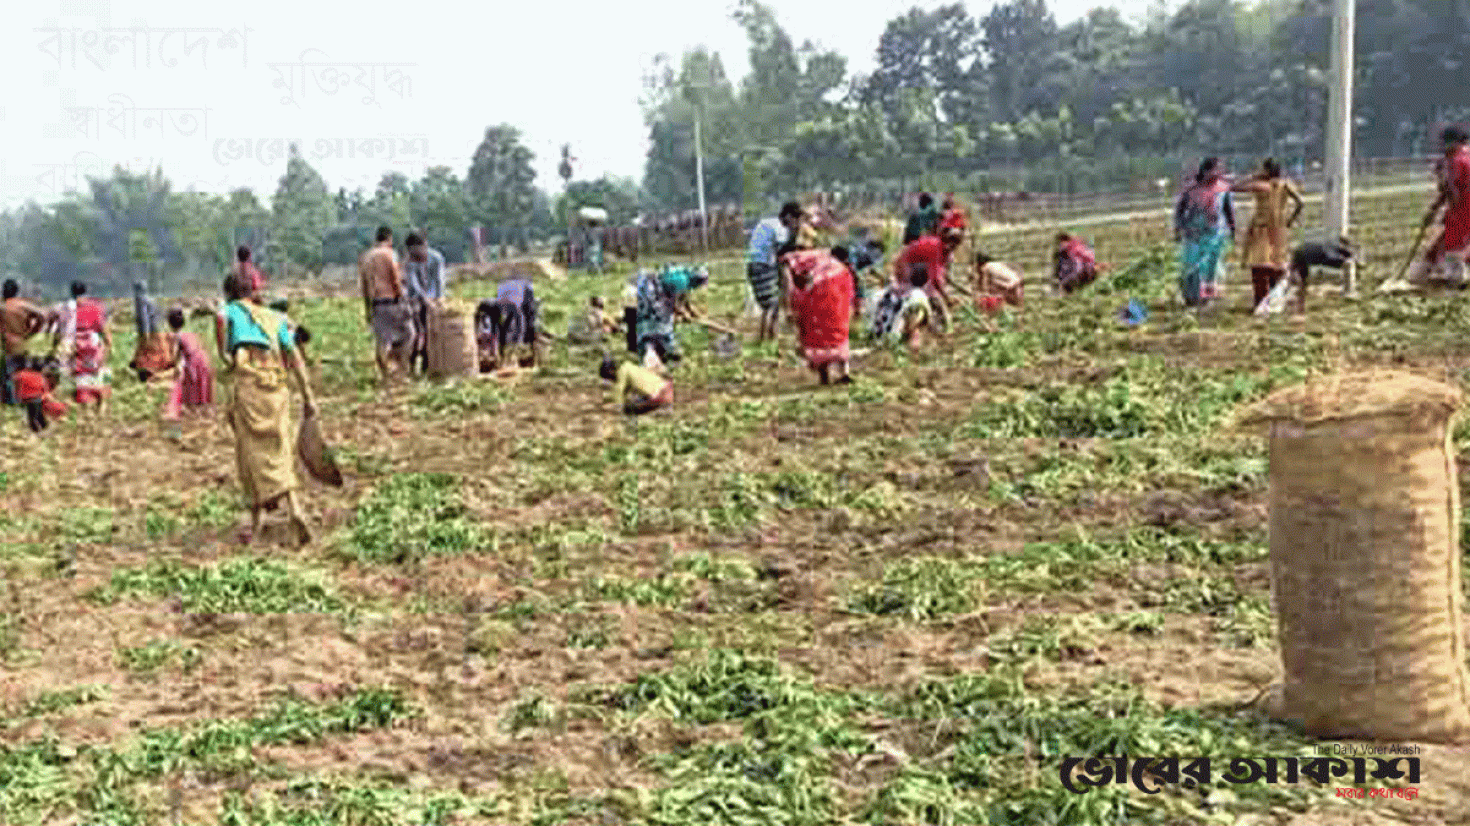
(1340, 132)
(699, 183)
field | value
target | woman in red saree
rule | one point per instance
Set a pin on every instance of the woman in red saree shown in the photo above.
(820, 297)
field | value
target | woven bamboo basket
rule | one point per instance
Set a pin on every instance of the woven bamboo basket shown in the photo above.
(1365, 557)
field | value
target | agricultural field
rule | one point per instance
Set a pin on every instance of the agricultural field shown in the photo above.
(899, 602)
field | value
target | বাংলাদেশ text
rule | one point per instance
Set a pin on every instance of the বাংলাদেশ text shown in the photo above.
(1150, 774)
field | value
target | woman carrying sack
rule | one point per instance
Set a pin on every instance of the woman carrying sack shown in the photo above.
(261, 350)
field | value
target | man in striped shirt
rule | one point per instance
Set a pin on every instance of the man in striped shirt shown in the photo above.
(769, 235)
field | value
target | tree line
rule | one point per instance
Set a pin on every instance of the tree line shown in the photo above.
(1012, 99)
(134, 226)
(1008, 100)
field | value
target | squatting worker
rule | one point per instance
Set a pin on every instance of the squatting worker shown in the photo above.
(1333, 255)
(423, 273)
(769, 235)
(19, 321)
(639, 389)
(384, 304)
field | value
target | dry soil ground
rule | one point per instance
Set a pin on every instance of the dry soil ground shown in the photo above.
(899, 602)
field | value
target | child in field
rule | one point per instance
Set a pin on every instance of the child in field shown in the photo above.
(640, 389)
(194, 387)
(915, 312)
(33, 390)
(593, 326)
(996, 283)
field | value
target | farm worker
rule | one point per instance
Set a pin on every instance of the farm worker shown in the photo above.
(1334, 255)
(844, 256)
(598, 318)
(951, 217)
(151, 357)
(933, 252)
(1449, 250)
(821, 300)
(914, 317)
(423, 274)
(84, 341)
(630, 312)
(867, 256)
(998, 281)
(512, 319)
(145, 312)
(33, 390)
(262, 352)
(194, 386)
(385, 305)
(20, 320)
(246, 267)
(1204, 223)
(922, 221)
(1265, 238)
(640, 389)
(1075, 265)
(807, 235)
(902, 309)
(768, 235)
(486, 336)
(299, 333)
(593, 326)
(663, 296)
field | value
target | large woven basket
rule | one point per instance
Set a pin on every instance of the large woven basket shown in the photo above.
(451, 341)
(1365, 557)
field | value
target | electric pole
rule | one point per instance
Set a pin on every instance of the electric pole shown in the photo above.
(1340, 132)
(699, 183)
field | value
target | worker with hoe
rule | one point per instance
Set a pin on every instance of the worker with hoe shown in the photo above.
(385, 304)
(769, 235)
(1445, 258)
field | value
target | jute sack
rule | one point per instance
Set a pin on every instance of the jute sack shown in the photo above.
(451, 341)
(1365, 557)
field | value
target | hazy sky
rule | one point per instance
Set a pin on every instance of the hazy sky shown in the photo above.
(214, 95)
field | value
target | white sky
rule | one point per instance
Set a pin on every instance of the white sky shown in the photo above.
(572, 76)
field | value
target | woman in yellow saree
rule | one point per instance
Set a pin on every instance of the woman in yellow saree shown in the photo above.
(261, 351)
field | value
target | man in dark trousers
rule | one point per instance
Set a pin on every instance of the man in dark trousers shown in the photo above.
(424, 277)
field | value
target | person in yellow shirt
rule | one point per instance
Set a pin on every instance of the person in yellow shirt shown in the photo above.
(640, 389)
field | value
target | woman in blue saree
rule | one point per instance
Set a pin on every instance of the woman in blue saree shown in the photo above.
(1204, 224)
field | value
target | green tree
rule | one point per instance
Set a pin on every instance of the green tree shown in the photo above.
(501, 185)
(303, 209)
(929, 50)
(1020, 39)
(441, 210)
